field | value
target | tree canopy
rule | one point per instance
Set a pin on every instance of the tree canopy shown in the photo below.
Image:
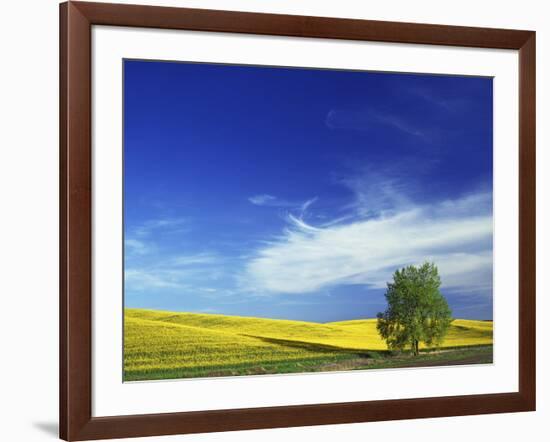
(417, 311)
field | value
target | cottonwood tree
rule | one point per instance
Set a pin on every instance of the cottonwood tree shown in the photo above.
(417, 311)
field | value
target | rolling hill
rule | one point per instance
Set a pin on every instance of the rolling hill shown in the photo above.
(167, 345)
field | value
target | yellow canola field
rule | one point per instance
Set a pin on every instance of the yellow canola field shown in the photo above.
(160, 341)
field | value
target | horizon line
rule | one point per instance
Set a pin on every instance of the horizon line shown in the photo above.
(276, 319)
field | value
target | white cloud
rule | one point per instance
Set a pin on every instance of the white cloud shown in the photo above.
(195, 259)
(136, 247)
(455, 234)
(164, 224)
(304, 208)
(365, 119)
(262, 200)
(148, 279)
(378, 193)
(176, 272)
(267, 200)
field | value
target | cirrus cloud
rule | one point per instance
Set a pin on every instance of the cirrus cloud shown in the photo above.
(455, 234)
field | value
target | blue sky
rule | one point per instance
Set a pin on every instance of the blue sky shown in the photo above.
(296, 193)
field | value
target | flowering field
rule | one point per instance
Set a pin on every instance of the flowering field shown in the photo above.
(168, 345)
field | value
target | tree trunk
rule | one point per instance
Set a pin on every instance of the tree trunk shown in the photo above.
(415, 347)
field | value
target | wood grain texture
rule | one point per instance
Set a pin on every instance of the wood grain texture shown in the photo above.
(527, 220)
(76, 421)
(299, 26)
(296, 416)
(63, 256)
(76, 220)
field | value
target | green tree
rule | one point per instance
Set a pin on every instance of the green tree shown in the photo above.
(417, 311)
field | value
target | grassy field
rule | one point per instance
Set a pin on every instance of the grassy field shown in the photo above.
(168, 345)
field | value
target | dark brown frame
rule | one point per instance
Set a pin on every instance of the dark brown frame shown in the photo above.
(76, 421)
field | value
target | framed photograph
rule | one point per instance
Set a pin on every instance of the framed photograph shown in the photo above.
(274, 220)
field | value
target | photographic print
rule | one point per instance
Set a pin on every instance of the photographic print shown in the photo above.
(293, 220)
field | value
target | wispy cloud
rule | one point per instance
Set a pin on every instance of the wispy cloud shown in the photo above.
(378, 193)
(167, 225)
(136, 247)
(306, 205)
(456, 234)
(154, 262)
(175, 272)
(193, 260)
(262, 200)
(267, 200)
(398, 123)
(141, 279)
(447, 104)
(365, 119)
(141, 239)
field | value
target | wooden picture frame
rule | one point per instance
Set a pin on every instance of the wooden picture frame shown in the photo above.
(76, 421)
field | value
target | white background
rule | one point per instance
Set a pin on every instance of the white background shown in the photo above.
(111, 397)
(28, 227)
